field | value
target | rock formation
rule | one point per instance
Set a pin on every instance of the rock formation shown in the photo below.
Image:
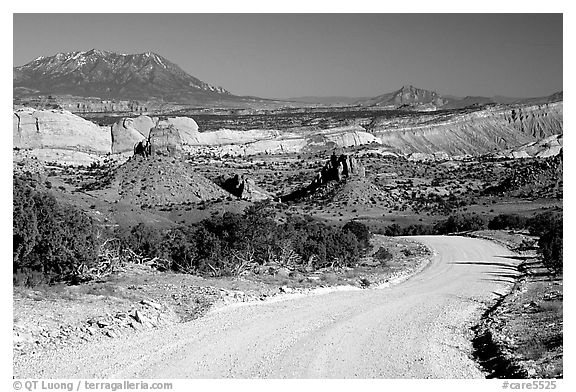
(59, 130)
(337, 169)
(245, 188)
(186, 126)
(162, 181)
(471, 132)
(164, 140)
(125, 136)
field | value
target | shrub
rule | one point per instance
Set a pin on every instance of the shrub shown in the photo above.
(407, 252)
(550, 244)
(541, 223)
(50, 239)
(393, 230)
(417, 229)
(459, 223)
(383, 255)
(507, 221)
(360, 230)
(228, 244)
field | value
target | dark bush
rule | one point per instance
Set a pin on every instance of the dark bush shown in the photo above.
(50, 239)
(360, 230)
(550, 244)
(393, 230)
(383, 255)
(459, 223)
(541, 223)
(226, 244)
(417, 229)
(507, 221)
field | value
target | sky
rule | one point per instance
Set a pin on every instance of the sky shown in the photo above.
(294, 55)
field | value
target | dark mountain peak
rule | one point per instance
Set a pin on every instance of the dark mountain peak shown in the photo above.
(407, 96)
(408, 88)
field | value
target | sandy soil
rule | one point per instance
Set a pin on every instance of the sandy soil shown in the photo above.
(417, 329)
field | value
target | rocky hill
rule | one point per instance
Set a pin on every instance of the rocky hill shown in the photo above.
(159, 176)
(411, 98)
(110, 75)
(537, 178)
(338, 170)
(407, 96)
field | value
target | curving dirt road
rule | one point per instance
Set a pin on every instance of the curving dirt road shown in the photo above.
(417, 329)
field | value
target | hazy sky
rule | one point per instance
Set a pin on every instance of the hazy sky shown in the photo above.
(290, 55)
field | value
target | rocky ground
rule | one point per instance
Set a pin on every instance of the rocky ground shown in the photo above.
(522, 335)
(139, 298)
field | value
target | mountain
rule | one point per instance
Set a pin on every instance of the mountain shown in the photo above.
(109, 75)
(408, 96)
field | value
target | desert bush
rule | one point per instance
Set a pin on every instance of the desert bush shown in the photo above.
(507, 221)
(50, 239)
(323, 244)
(458, 223)
(407, 252)
(551, 243)
(232, 243)
(541, 223)
(417, 229)
(383, 255)
(360, 230)
(393, 230)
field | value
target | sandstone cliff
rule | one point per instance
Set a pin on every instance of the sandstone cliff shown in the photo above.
(59, 130)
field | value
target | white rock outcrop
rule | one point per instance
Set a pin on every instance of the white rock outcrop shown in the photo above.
(125, 136)
(186, 126)
(58, 129)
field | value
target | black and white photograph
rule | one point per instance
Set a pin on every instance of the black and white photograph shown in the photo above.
(287, 196)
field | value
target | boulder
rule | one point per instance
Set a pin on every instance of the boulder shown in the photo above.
(186, 126)
(164, 140)
(282, 272)
(138, 316)
(245, 188)
(125, 136)
(143, 124)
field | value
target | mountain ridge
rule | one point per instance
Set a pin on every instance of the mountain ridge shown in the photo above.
(110, 75)
(148, 76)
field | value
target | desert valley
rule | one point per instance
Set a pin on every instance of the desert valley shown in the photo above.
(197, 199)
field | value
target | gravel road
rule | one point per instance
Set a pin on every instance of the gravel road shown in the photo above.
(417, 329)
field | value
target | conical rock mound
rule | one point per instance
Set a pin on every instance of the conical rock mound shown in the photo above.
(160, 180)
